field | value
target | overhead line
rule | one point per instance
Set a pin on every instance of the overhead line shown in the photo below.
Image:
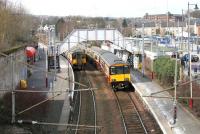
(171, 88)
(37, 91)
(41, 69)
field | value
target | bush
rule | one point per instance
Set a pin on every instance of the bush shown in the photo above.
(164, 67)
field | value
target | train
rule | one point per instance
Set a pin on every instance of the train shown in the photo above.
(116, 70)
(77, 58)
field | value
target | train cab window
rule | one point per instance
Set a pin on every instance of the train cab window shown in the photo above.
(78, 56)
(73, 56)
(126, 70)
(84, 56)
(116, 70)
(120, 70)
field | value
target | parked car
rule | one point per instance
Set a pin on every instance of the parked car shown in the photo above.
(174, 55)
(194, 58)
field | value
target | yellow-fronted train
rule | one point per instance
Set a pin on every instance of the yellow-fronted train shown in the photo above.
(116, 70)
(77, 58)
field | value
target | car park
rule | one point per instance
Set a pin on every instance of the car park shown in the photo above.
(194, 58)
(174, 55)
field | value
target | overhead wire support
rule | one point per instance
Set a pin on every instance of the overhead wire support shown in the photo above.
(172, 88)
(175, 93)
(13, 93)
(42, 69)
(143, 64)
(169, 97)
(190, 56)
(57, 91)
(56, 124)
(37, 104)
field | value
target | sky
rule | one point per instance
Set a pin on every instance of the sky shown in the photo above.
(105, 8)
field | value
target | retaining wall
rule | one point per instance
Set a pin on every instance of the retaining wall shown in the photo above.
(7, 78)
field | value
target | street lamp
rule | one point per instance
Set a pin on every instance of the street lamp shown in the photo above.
(189, 51)
(143, 50)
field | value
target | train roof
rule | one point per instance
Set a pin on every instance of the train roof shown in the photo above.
(107, 56)
(76, 49)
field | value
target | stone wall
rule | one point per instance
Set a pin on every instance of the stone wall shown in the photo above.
(7, 78)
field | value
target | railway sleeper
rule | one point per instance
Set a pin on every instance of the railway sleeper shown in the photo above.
(133, 123)
(136, 132)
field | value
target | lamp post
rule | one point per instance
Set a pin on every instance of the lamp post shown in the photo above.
(175, 90)
(55, 55)
(189, 53)
(143, 50)
(46, 55)
(182, 31)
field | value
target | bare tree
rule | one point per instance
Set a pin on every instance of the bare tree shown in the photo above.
(15, 24)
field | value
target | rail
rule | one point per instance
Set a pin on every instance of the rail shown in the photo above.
(131, 118)
(79, 112)
(94, 106)
(94, 102)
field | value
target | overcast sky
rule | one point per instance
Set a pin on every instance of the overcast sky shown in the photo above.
(110, 8)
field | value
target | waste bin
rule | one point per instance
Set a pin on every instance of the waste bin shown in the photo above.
(23, 84)
(140, 66)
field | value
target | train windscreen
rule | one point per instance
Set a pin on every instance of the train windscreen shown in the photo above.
(77, 55)
(126, 70)
(119, 70)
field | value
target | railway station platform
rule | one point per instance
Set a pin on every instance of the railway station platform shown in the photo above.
(162, 108)
(59, 108)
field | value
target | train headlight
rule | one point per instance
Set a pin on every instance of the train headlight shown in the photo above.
(126, 79)
(113, 80)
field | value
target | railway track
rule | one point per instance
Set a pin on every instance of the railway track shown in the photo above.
(75, 108)
(131, 118)
(119, 116)
(86, 122)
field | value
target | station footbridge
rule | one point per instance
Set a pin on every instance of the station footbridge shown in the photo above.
(118, 41)
(83, 35)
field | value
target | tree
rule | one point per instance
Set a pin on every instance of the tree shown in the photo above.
(124, 23)
(60, 28)
(195, 14)
(15, 24)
